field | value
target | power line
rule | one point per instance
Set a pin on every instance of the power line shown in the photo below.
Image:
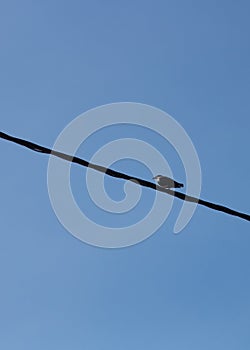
(37, 148)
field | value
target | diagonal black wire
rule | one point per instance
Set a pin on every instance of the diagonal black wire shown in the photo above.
(110, 172)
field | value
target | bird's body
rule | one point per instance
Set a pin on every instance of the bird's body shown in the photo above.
(167, 182)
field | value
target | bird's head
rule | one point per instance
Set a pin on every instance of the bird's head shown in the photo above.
(157, 177)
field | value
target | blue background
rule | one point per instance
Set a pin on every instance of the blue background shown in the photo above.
(188, 291)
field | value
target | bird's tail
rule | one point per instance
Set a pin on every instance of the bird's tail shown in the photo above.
(178, 185)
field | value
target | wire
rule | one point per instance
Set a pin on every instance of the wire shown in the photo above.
(37, 148)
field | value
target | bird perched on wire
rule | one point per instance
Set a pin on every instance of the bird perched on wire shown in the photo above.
(167, 182)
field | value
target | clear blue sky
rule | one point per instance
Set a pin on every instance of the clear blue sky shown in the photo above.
(188, 291)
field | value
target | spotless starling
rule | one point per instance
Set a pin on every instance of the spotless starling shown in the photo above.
(167, 182)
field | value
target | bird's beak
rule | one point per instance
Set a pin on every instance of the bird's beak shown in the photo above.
(153, 178)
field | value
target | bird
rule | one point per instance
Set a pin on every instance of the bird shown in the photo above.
(167, 182)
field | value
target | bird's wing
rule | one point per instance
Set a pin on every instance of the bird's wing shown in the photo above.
(166, 182)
